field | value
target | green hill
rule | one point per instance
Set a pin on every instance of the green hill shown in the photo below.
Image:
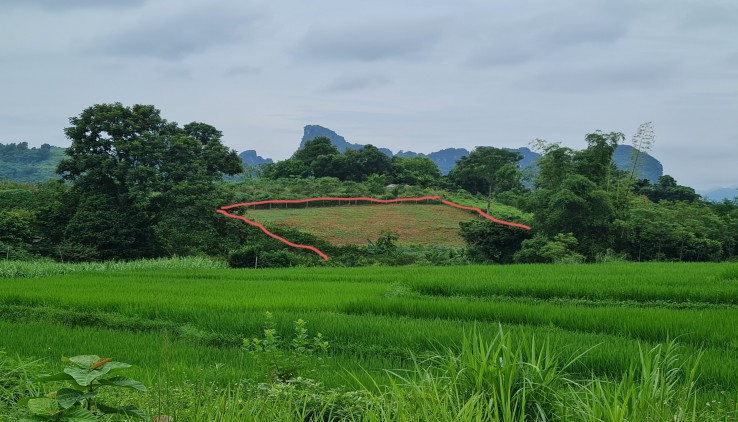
(18, 163)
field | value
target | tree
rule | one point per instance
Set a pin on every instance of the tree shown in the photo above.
(485, 169)
(417, 171)
(364, 162)
(667, 189)
(125, 163)
(572, 195)
(554, 164)
(314, 148)
(675, 231)
(595, 162)
(487, 241)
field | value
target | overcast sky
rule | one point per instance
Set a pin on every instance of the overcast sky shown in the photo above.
(406, 75)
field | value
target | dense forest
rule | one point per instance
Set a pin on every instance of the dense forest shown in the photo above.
(133, 185)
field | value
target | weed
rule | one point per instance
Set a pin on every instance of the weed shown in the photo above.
(85, 374)
(284, 359)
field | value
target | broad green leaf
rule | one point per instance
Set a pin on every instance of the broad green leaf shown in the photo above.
(83, 361)
(61, 376)
(120, 381)
(112, 366)
(42, 406)
(77, 414)
(67, 397)
(128, 410)
(83, 377)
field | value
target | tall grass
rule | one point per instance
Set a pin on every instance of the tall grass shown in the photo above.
(46, 268)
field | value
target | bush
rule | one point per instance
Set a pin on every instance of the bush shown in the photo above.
(245, 257)
(541, 249)
(487, 241)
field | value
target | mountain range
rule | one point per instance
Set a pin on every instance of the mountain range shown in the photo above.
(648, 167)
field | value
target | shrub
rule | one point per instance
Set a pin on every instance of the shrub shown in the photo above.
(541, 249)
(85, 374)
(245, 257)
(491, 242)
(283, 359)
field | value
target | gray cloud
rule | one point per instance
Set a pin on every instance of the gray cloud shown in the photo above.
(539, 37)
(602, 77)
(243, 70)
(371, 41)
(731, 60)
(72, 4)
(709, 15)
(356, 83)
(174, 37)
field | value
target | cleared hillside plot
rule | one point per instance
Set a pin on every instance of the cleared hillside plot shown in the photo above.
(185, 325)
(427, 224)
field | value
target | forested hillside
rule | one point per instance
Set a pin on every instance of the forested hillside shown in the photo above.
(22, 164)
(143, 187)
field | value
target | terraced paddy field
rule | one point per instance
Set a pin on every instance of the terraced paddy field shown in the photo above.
(185, 326)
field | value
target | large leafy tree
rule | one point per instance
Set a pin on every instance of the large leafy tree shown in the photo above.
(487, 170)
(595, 162)
(418, 171)
(127, 166)
(313, 149)
(571, 192)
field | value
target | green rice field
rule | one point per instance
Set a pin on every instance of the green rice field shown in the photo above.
(186, 325)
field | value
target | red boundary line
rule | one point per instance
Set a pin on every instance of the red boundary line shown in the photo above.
(223, 211)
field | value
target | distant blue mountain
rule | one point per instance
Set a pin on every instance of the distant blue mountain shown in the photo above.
(718, 195)
(648, 167)
(250, 158)
(313, 131)
(445, 159)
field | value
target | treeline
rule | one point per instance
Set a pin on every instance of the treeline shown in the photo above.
(20, 153)
(134, 185)
(320, 158)
(20, 163)
(584, 208)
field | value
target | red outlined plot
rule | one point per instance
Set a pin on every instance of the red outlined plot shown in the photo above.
(223, 210)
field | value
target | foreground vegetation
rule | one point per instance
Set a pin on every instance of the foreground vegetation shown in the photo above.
(586, 340)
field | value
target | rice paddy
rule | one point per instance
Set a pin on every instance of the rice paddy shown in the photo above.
(179, 323)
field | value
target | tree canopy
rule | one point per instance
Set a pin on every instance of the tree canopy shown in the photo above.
(128, 167)
(487, 170)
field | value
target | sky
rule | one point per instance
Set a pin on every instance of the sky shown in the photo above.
(405, 75)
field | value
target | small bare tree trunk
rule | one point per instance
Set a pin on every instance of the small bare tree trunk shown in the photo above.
(489, 198)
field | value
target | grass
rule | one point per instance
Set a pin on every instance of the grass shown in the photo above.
(36, 269)
(354, 224)
(183, 326)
